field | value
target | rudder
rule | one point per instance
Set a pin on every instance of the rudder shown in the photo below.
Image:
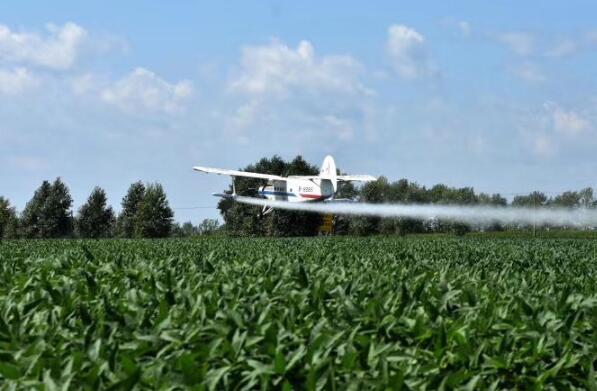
(328, 171)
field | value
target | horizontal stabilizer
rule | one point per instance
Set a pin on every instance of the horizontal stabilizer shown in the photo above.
(224, 195)
(358, 178)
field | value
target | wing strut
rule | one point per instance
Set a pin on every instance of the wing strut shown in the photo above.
(266, 209)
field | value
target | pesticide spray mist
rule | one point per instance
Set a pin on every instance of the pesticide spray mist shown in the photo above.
(475, 215)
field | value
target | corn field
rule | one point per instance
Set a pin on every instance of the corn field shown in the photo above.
(329, 313)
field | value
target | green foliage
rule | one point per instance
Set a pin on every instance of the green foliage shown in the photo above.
(363, 226)
(493, 200)
(208, 226)
(96, 218)
(32, 219)
(567, 199)
(461, 229)
(48, 214)
(187, 229)
(4, 212)
(130, 206)
(347, 190)
(534, 199)
(8, 220)
(324, 313)
(154, 216)
(146, 213)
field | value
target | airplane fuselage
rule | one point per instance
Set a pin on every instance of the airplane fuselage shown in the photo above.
(296, 189)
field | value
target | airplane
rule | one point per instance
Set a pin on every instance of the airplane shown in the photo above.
(294, 188)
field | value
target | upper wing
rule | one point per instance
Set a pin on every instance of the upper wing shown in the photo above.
(346, 178)
(245, 174)
(359, 178)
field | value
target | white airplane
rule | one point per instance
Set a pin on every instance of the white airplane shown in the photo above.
(294, 188)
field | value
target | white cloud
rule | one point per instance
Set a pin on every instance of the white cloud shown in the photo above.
(520, 43)
(528, 72)
(569, 123)
(553, 129)
(278, 70)
(16, 81)
(297, 92)
(143, 90)
(406, 49)
(58, 49)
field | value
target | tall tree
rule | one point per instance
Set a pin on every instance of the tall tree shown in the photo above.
(533, 200)
(96, 218)
(48, 214)
(568, 199)
(299, 166)
(130, 206)
(58, 213)
(32, 219)
(4, 213)
(154, 216)
(586, 198)
(8, 219)
(498, 200)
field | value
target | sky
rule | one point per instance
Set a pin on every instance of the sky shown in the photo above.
(500, 96)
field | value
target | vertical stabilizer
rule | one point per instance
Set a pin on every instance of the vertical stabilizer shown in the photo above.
(328, 171)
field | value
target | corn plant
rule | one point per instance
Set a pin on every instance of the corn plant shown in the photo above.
(329, 313)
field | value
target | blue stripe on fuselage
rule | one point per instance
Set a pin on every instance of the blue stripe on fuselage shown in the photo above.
(276, 193)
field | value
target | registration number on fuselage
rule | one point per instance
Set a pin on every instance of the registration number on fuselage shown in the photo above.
(305, 189)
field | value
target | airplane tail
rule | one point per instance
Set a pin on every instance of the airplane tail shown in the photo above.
(328, 172)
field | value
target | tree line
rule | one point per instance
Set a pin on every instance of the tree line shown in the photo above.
(146, 213)
(245, 220)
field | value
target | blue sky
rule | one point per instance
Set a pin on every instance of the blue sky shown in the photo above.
(501, 96)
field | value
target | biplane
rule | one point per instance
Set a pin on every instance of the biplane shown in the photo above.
(293, 188)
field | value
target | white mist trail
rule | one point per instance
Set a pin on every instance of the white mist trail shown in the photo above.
(466, 214)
